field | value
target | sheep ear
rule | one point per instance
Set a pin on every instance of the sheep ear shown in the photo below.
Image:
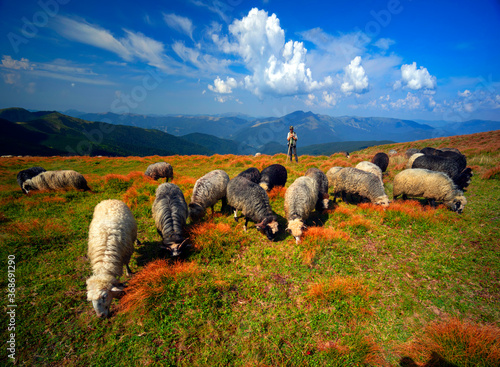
(117, 290)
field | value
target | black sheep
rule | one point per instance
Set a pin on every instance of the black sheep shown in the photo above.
(382, 160)
(273, 175)
(451, 167)
(28, 174)
(251, 174)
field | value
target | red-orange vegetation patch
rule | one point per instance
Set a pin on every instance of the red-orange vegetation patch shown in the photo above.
(335, 162)
(415, 210)
(346, 210)
(150, 281)
(339, 287)
(492, 173)
(203, 228)
(134, 175)
(277, 192)
(370, 206)
(456, 341)
(53, 199)
(358, 221)
(34, 229)
(326, 233)
(184, 180)
(334, 346)
(130, 197)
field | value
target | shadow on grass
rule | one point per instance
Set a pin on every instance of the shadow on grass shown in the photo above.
(435, 361)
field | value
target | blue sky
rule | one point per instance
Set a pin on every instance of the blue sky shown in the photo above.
(415, 59)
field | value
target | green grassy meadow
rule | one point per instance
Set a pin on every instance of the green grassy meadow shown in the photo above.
(365, 287)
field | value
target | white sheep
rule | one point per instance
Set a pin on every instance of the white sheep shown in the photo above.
(56, 180)
(331, 173)
(370, 167)
(207, 191)
(300, 201)
(412, 159)
(432, 185)
(112, 234)
(351, 180)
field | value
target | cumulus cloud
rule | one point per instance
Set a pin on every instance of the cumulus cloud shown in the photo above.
(414, 78)
(355, 79)
(223, 87)
(330, 99)
(179, 23)
(278, 67)
(384, 43)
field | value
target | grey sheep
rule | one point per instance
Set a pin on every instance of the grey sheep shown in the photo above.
(300, 201)
(56, 180)
(27, 174)
(160, 170)
(252, 173)
(370, 167)
(273, 175)
(411, 151)
(354, 181)
(112, 233)
(382, 160)
(207, 191)
(409, 164)
(321, 183)
(331, 173)
(252, 200)
(434, 186)
(170, 213)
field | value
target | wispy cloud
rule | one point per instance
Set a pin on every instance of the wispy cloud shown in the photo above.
(179, 23)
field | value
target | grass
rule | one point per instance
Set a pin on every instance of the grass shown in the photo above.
(365, 287)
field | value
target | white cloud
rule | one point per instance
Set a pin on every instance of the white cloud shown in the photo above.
(134, 45)
(179, 23)
(277, 68)
(384, 43)
(58, 69)
(355, 79)
(223, 87)
(330, 99)
(414, 78)
(465, 93)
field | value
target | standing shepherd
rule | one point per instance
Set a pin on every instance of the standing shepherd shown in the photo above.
(292, 144)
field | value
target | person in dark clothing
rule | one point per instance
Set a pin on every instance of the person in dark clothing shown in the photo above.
(292, 144)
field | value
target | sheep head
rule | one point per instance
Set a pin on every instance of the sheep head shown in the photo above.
(296, 228)
(457, 204)
(269, 227)
(196, 211)
(101, 290)
(27, 186)
(175, 245)
(382, 200)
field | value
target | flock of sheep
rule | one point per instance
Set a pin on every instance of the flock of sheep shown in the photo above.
(438, 175)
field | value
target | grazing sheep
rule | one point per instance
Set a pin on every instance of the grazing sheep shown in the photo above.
(412, 159)
(430, 151)
(112, 233)
(300, 200)
(434, 186)
(207, 191)
(449, 166)
(450, 150)
(252, 174)
(273, 175)
(354, 181)
(330, 174)
(27, 174)
(321, 182)
(56, 180)
(344, 153)
(252, 200)
(382, 160)
(411, 151)
(170, 213)
(160, 169)
(370, 167)
(457, 157)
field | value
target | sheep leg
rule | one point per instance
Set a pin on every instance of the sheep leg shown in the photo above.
(432, 203)
(213, 211)
(224, 204)
(129, 272)
(246, 223)
(235, 215)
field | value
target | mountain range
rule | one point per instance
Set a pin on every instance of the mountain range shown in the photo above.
(74, 132)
